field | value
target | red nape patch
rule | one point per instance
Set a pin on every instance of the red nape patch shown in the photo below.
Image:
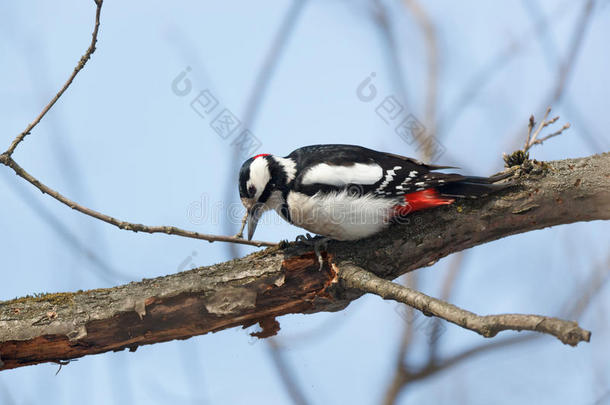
(262, 154)
(420, 200)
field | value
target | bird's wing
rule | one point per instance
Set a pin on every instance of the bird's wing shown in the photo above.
(327, 168)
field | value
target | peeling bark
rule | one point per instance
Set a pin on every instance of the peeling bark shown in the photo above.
(274, 282)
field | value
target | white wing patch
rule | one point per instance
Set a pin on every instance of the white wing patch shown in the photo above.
(290, 167)
(358, 173)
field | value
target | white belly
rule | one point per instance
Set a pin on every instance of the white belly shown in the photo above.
(340, 216)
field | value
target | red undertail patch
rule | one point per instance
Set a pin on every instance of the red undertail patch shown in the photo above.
(421, 200)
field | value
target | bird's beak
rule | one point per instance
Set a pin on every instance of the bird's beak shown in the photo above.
(254, 214)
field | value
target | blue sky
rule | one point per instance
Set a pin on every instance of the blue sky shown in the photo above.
(122, 142)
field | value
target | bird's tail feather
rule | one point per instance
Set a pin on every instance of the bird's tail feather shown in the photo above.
(473, 186)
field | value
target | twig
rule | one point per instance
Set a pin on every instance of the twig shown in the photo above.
(519, 157)
(563, 76)
(553, 59)
(81, 64)
(407, 375)
(597, 280)
(169, 230)
(488, 326)
(6, 159)
(532, 138)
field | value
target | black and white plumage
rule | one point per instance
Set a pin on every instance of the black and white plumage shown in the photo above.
(348, 192)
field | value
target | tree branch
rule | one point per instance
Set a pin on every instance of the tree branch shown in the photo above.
(487, 326)
(81, 64)
(6, 160)
(277, 281)
(406, 375)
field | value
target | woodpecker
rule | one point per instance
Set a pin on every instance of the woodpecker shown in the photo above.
(348, 192)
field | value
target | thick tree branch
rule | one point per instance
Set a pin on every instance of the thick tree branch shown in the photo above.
(275, 282)
(487, 326)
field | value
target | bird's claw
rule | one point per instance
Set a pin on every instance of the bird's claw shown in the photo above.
(317, 243)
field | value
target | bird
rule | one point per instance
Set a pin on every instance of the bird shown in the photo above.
(349, 192)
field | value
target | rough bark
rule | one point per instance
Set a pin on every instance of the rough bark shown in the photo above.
(274, 282)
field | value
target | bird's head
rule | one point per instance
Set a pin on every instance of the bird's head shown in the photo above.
(260, 180)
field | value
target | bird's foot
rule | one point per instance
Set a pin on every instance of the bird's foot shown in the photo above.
(317, 242)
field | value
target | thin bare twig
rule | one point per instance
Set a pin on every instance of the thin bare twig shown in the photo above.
(518, 157)
(488, 326)
(532, 139)
(81, 64)
(565, 69)
(88, 233)
(553, 59)
(7, 160)
(575, 310)
(169, 230)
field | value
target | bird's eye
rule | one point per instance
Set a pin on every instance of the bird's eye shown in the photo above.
(251, 191)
